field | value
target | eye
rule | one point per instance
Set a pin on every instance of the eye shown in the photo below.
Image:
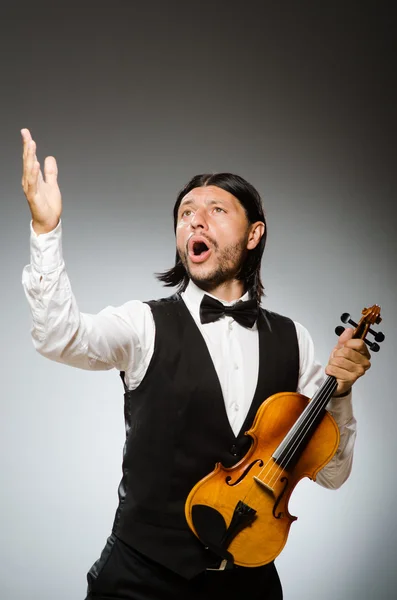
(186, 213)
(218, 209)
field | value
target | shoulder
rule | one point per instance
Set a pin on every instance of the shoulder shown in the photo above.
(276, 320)
(169, 309)
(273, 317)
(164, 302)
(303, 335)
(304, 339)
(134, 317)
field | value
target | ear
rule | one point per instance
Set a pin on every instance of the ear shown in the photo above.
(255, 234)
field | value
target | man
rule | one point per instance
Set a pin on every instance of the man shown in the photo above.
(193, 379)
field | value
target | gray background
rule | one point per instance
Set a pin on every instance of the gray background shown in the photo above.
(133, 100)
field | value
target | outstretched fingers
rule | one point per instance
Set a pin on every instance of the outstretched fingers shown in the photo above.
(42, 192)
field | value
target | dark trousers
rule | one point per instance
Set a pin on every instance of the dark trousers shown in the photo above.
(122, 573)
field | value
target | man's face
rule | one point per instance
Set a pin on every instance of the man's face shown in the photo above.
(212, 235)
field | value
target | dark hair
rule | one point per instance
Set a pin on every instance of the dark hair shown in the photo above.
(251, 201)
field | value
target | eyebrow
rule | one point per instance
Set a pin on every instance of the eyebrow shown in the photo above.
(191, 201)
(185, 202)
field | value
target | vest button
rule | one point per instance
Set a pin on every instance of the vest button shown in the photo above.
(233, 450)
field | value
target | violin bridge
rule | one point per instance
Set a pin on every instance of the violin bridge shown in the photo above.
(264, 485)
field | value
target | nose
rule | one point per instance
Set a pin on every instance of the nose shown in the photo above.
(198, 220)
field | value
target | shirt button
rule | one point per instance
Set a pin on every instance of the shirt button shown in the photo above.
(236, 407)
(236, 367)
(233, 450)
(230, 325)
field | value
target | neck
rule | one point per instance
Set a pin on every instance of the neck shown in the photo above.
(227, 291)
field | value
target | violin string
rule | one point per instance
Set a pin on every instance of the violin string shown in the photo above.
(313, 412)
(322, 398)
(276, 468)
(296, 438)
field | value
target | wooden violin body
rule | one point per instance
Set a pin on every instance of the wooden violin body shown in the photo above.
(260, 483)
(241, 513)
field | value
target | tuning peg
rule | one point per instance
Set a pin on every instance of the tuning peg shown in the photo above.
(373, 346)
(345, 318)
(379, 336)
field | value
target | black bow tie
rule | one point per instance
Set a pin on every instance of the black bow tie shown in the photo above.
(244, 313)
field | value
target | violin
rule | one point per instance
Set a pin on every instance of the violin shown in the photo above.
(241, 513)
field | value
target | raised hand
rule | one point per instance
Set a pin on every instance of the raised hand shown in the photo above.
(42, 193)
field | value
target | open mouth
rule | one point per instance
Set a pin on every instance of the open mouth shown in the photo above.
(198, 250)
(199, 247)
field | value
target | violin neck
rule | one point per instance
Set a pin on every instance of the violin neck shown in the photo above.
(292, 446)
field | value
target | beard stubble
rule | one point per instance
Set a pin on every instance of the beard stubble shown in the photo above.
(230, 261)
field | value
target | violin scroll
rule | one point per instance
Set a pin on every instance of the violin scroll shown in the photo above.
(369, 317)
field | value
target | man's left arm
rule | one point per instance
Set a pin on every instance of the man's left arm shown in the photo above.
(349, 360)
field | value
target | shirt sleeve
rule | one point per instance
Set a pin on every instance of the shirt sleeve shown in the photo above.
(116, 337)
(311, 376)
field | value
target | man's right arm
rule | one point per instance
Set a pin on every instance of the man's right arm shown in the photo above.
(117, 337)
(121, 337)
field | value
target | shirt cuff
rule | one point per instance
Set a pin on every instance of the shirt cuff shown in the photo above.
(46, 249)
(341, 409)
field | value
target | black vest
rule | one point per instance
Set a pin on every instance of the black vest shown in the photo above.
(177, 429)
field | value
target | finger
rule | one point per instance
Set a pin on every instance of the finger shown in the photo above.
(347, 341)
(28, 163)
(26, 138)
(32, 181)
(346, 335)
(351, 354)
(25, 133)
(345, 374)
(357, 345)
(345, 379)
(50, 170)
(352, 365)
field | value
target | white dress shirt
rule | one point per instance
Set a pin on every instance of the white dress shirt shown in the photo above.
(123, 338)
